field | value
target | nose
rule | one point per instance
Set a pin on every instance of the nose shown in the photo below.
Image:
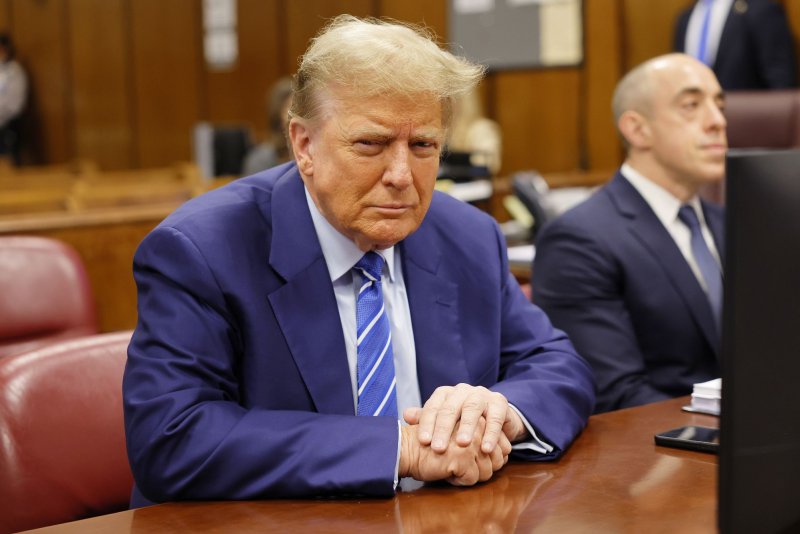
(398, 166)
(716, 117)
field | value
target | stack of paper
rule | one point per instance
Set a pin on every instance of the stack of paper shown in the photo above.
(706, 397)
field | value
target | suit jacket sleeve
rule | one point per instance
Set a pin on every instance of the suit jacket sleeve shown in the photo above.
(190, 437)
(578, 283)
(541, 373)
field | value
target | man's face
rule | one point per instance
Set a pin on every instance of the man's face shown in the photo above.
(370, 164)
(687, 124)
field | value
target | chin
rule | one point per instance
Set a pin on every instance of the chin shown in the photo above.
(391, 236)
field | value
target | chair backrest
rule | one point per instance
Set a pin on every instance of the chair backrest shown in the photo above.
(767, 119)
(62, 438)
(531, 189)
(45, 294)
(763, 119)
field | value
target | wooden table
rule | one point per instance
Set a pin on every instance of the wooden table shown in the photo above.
(613, 479)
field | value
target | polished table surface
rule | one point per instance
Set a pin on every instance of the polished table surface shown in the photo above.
(613, 479)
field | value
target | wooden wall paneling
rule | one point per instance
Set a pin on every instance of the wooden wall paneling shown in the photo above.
(648, 28)
(239, 95)
(168, 87)
(430, 13)
(101, 86)
(304, 18)
(40, 34)
(538, 111)
(602, 69)
(6, 23)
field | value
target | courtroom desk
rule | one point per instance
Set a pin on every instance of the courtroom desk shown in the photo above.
(106, 240)
(613, 479)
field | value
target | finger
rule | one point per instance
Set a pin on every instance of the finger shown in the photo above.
(412, 415)
(472, 409)
(448, 415)
(496, 414)
(428, 414)
(498, 459)
(486, 466)
(504, 445)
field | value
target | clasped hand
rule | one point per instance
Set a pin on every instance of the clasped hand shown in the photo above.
(462, 434)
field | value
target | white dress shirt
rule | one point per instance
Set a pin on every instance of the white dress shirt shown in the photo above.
(665, 205)
(719, 14)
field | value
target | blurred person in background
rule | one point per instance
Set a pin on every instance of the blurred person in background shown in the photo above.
(747, 43)
(13, 95)
(474, 133)
(274, 150)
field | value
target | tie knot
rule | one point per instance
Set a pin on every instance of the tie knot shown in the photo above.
(371, 264)
(688, 216)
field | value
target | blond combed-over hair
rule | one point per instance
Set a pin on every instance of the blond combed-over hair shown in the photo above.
(380, 57)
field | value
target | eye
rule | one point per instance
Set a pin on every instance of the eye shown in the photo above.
(425, 148)
(690, 104)
(369, 147)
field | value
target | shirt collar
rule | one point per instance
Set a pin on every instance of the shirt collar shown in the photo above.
(663, 203)
(341, 253)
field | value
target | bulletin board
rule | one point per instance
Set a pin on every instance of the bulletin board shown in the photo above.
(516, 34)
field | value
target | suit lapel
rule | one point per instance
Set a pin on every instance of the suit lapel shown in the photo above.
(305, 306)
(433, 301)
(656, 240)
(729, 29)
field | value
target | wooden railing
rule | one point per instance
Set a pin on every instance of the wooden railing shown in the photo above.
(103, 215)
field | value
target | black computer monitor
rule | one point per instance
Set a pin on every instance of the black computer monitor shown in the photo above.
(759, 465)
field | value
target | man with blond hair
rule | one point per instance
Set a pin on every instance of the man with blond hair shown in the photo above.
(633, 275)
(292, 323)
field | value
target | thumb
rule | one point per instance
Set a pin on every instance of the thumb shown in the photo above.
(411, 415)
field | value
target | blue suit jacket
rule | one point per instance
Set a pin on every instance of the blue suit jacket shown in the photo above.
(756, 50)
(237, 383)
(609, 274)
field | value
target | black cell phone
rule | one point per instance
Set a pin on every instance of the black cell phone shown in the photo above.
(695, 438)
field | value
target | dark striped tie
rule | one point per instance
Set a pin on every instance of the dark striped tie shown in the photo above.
(705, 261)
(376, 379)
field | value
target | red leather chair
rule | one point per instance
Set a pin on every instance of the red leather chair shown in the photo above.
(62, 439)
(44, 294)
(768, 119)
(763, 119)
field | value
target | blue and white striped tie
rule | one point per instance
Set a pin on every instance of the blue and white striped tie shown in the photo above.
(376, 380)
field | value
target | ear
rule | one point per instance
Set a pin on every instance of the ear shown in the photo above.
(300, 137)
(635, 128)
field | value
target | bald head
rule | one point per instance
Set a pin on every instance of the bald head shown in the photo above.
(636, 90)
(669, 111)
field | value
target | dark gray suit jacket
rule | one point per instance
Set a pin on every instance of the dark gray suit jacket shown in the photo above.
(609, 274)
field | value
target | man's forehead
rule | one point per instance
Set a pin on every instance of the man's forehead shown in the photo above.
(684, 77)
(382, 112)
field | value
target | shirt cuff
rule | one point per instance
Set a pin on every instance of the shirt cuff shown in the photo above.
(397, 463)
(534, 444)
